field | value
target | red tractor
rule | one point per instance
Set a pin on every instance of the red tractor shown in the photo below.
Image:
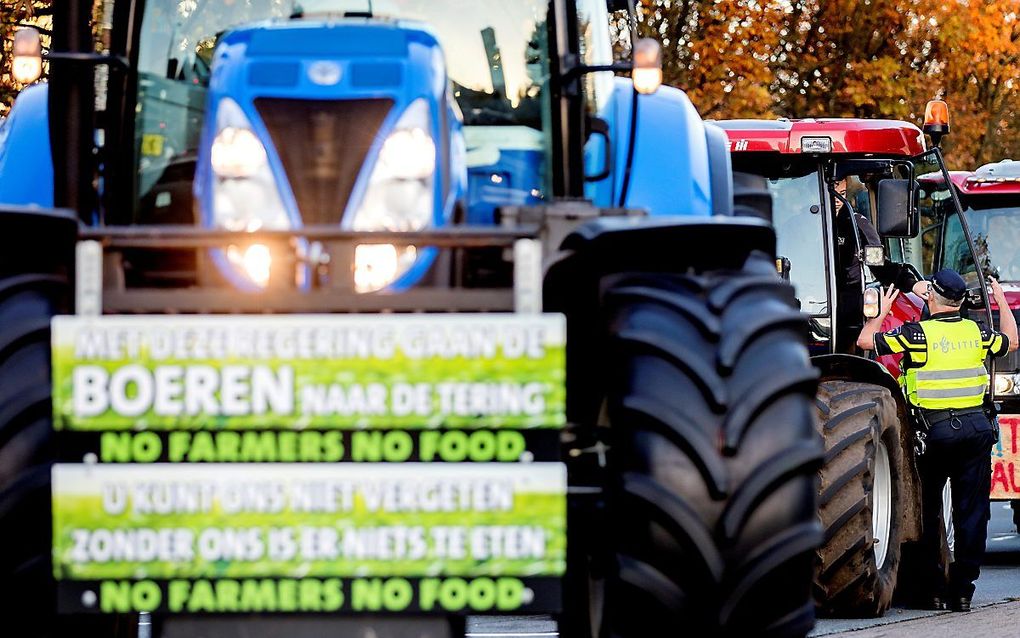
(990, 197)
(818, 170)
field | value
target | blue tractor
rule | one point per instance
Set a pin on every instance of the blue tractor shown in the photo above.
(345, 156)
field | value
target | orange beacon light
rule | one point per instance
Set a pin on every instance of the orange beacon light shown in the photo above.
(936, 120)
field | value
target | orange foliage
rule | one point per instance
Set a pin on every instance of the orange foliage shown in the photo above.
(15, 14)
(850, 58)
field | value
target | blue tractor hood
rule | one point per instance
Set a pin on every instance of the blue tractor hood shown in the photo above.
(26, 164)
(322, 97)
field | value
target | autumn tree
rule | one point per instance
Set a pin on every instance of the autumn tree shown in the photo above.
(843, 58)
(16, 14)
(850, 58)
(717, 51)
(981, 76)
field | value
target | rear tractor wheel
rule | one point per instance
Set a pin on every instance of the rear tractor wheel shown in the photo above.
(859, 499)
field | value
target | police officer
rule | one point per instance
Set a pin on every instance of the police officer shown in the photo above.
(945, 380)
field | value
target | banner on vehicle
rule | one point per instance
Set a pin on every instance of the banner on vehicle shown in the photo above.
(409, 371)
(1006, 459)
(351, 464)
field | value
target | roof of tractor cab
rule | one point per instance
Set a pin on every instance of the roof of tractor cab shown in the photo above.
(998, 178)
(848, 135)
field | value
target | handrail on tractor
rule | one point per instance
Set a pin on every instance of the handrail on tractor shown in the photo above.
(101, 285)
(182, 236)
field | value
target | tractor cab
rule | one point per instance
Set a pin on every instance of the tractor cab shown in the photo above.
(990, 198)
(859, 205)
(817, 170)
(381, 116)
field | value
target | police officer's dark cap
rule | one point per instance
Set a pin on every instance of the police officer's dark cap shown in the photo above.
(948, 283)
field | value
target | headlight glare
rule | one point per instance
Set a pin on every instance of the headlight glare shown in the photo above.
(237, 152)
(402, 205)
(245, 196)
(255, 261)
(400, 197)
(407, 154)
(378, 265)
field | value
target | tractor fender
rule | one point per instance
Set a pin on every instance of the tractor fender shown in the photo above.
(670, 139)
(26, 166)
(576, 276)
(36, 238)
(846, 367)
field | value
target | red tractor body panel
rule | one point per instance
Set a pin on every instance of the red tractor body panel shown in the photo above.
(848, 135)
(1012, 296)
(999, 178)
(906, 307)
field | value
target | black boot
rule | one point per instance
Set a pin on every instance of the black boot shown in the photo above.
(960, 604)
(931, 603)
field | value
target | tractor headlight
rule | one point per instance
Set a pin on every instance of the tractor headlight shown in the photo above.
(1005, 384)
(244, 193)
(237, 153)
(816, 144)
(245, 196)
(408, 153)
(400, 197)
(254, 260)
(26, 59)
(874, 255)
(872, 303)
(378, 265)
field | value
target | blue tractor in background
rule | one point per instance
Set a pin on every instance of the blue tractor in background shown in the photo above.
(335, 156)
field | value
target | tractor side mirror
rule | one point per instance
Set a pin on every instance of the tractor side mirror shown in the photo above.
(897, 217)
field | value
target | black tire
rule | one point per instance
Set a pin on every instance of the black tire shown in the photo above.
(27, 303)
(36, 275)
(714, 454)
(855, 418)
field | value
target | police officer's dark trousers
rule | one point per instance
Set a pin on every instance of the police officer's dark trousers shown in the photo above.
(959, 450)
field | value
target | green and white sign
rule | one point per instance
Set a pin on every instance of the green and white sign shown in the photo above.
(289, 521)
(298, 372)
(332, 464)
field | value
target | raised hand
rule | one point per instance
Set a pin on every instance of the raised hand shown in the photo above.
(996, 289)
(888, 296)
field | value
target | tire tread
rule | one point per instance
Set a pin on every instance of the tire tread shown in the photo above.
(712, 428)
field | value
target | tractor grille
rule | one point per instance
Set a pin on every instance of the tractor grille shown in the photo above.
(322, 144)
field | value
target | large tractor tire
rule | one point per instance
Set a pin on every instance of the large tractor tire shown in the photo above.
(27, 302)
(859, 499)
(35, 284)
(36, 275)
(713, 456)
(36, 252)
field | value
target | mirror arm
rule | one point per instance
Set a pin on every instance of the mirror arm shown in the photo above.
(573, 70)
(94, 59)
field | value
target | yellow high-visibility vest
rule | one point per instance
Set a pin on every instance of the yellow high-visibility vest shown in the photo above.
(953, 374)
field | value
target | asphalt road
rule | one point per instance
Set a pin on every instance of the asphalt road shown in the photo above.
(996, 604)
